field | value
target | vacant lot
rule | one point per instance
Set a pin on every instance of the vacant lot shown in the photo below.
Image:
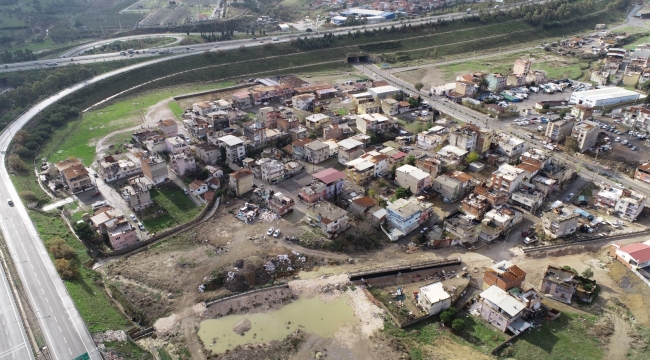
(177, 208)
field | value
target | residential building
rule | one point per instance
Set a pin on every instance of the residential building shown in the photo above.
(390, 106)
(361, 204)
(466, 88)
(286, 123)
(521, 67)
(432, 138)
(475, 205)
(464, 138)
(137, 193)
(349, 150)
(510, 146)
(484, 138)
(586, 133)
(501, 310)
(198, 127)
(279, 203)
(312, 193)
(183, 164)
(316, 152)
(262, 93)
(556, 131)
(496, 82)
(448, 187)
(201, 108)
(333, 131)
(333, 181)
(268, 116)
(317, 121)
(498, 221)
(361, 98)
(505, 275)
(302, 102)
(380, 162)
(272, 171)
(176, 145)
(634, 256)
(74, 175)
(298, 147)
(410, 177)
(235, 148)
(630, 204)
(116, 167)
(429, 165)
(494, 196)
(208, 153)
(394, 156)
(120, 233)
(642, 173)
(198, 187)
(155, 144)
(527, 198)
(298, 132)
(242, 100)
(168, 127)
(256, 133)
(154, 168)
(368, 108)
(241, 181)
(507, 178)
(463, 227)
(559, 284)
(582, 112)
(360, 170)
(433, 298)
(372, 123)
(559, 222)
(608, 197)
(405, 215)
(331, 218)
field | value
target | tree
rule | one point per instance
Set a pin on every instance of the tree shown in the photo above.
(410, 160)
(401, 193)
(458, 324)
(472, 157)
(66, 269)
(84, 231)
(29, 196)
(61, 250)
(448, 315)
(418, 86)
(222, 155)
(483, 85)
(562, 113)
(546, 106)
(571, 144)
(16, 163)
(588, 273)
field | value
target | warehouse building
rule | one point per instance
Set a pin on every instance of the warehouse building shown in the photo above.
(603, 97)
(372, 16)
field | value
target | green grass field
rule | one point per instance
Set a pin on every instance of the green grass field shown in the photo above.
(564, 338)
(176, 109)
(77, 139)
(178, 206)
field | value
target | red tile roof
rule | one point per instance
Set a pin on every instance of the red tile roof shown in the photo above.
(639, 251)
(329, 176)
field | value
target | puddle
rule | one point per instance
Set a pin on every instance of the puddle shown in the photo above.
(310, 315)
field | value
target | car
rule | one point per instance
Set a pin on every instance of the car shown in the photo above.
(140, 226)
(624, 142)
(630, 145)
(132, 216)
(10, 202)
(96, 193)
(215, 46)
(633, 148)
(446, 201)
(424, 230)
(619, 185)
(569, 197)
(96, 175)
(185, 191)
(276, 233)
(540, 128)
(531, 239)
(617, 139)
(270, 231)
(261, 42)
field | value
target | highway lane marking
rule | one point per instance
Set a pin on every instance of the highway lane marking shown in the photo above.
(70, 351)
(47, 300)
(60, 329)
(66, 341)
(11, 350)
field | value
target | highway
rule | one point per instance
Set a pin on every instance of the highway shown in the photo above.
(65, 332)
(67, 59)
(13, 340)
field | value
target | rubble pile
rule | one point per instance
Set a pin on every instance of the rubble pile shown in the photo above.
(268, 216)
(109, 336)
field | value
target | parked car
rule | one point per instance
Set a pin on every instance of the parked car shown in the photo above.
(617, 139)
(132, 216)
(276, 233)
(270, 231)
(424, 230)
(185, 191)
(569, 197)
(96, 193)
(531, 239)
(141, 226)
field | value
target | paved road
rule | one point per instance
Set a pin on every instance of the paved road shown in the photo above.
(470, 116)
(226, 45)
(79, 50)
(13, 340)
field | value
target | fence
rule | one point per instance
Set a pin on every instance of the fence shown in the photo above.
(169, 232)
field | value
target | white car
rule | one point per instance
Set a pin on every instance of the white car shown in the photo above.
(276, 233)
(618, 139)
(133, 217)
(270, 232)
(140, 226)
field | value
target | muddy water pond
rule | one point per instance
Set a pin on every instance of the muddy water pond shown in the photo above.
(310, 315)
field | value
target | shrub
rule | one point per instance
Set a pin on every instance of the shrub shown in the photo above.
(61, 250)
(28, 196)
(458, 324)
(447, 315)
(16, 163)
(66, 269)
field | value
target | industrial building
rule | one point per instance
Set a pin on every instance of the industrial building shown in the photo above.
(371, 16)
(603, 97)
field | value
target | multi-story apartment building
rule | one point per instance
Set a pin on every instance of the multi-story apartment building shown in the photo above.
(183, 164)
(642, 173)
(586, 133)
(349, 150)
(559, 222)
(155, 169)
(408, 176)
(556, 131)
(317, 121)
(507, 178)
(272, 170)
(116, 167)
(235, 148)
(464, 138)
(208, 153)
(406, 215)
(510, 146)
(74, 175)
(316, 152)
(630, 204)
(168, 127)
(241, 181)
(372, 123)
(137, 194)
(176, 145)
